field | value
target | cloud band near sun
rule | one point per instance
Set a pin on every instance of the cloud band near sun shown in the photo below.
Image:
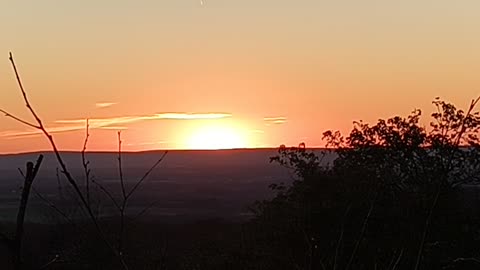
(116, 123)
(158, 116)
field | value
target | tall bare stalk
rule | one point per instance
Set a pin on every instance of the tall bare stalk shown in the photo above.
(30, 175)
(84, 196)
(40, 127)
(85, 164)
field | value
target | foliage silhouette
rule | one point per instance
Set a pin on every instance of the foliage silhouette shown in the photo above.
(392, 179)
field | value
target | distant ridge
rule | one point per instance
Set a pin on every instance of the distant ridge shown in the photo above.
(156, 150)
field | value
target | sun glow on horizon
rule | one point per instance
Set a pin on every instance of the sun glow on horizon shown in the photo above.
(211, 137)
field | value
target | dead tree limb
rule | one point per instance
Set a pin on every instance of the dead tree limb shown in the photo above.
(31, 173)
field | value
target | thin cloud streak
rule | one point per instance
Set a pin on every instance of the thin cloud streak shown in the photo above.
(113, 123)
(275, 120)
(192, 116)
(102, 105)
(53, 130)
(113, 128)
(158, 116)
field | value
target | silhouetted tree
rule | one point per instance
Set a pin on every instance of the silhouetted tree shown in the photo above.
(381, 193)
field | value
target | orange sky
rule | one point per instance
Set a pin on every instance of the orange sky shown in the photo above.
(252, 73)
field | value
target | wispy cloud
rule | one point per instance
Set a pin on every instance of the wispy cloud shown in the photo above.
(55, 130)
(102, 105)
(113, 128)
(101, 122)
(52, 130)
(115, 123)
(275, 120)
(192, 116)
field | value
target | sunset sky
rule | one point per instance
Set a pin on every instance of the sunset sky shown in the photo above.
(183, 74)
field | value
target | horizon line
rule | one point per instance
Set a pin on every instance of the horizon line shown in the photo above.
(151, 150)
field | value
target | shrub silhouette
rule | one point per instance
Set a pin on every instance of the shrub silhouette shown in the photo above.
(387, 200)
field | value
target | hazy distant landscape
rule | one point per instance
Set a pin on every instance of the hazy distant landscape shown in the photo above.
(187, 185)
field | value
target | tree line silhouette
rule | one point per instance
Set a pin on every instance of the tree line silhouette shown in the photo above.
(395, 197)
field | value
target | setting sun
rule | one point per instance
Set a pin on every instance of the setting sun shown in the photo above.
(216, 137)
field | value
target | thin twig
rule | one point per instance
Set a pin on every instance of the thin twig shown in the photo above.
(124, 196)
(57, 174)
(54, 260)
(120, 169)
(362, 233)
(18, 119)
(52, 205)
(109, 195)
(25, 98)
(146, 174)
(145, 210)
(392, 262)
(398, 260)
(21, 173)
(475, 260)
(85, 163)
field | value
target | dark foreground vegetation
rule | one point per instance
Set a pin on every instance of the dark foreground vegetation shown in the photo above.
(398, 196)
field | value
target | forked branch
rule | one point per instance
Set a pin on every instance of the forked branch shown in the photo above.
(59, 158)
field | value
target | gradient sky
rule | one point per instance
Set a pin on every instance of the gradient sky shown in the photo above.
(171, 73)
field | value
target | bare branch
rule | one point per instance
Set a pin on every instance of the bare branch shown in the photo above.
(145, 210)
(31, 173)
(21, 173)
(109, 195)
(473, 103)
(7, 114)
(25, 98)
(146, 175)
(120, 170)
(475, 260)
(85, 163)
(124, 196)
(52, 205)
(57, 174)
(49, 203)
(398, 260)
(47, 265)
